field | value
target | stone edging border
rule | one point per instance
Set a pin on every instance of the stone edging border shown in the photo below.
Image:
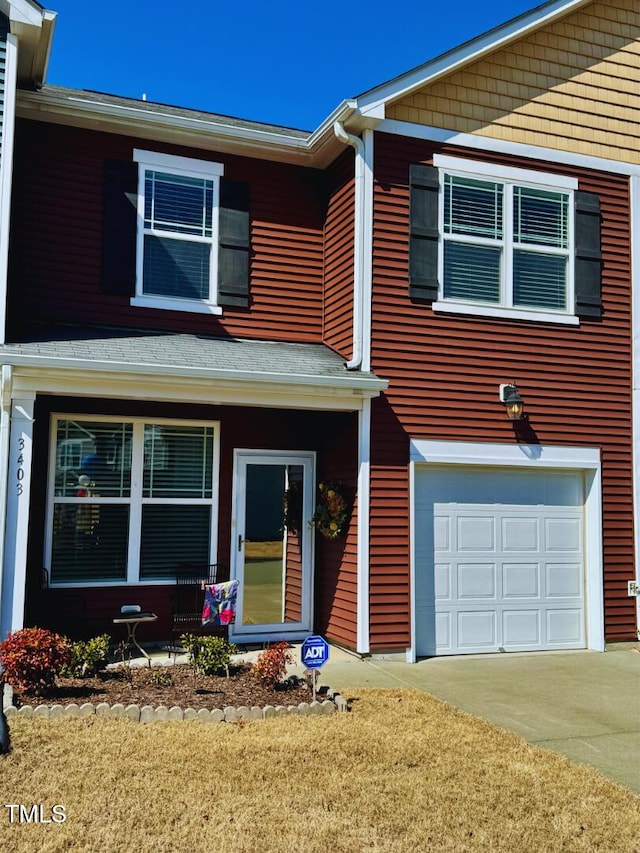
(149, 714)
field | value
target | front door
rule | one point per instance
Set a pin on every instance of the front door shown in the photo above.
(272, 545)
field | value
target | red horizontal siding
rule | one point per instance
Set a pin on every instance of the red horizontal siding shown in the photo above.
(55, 268)
(331, 435)
(339, 256)
(444, 371)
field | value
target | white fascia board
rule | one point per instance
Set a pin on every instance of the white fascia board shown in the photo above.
(133, 385)
(23, 12)
(351, 383)
(373, 102)
(318, 148)
(501, 146)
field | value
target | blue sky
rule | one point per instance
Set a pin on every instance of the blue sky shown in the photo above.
(281, 62)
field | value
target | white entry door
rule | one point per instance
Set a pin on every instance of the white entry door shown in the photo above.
(272, 545)
(499, 561)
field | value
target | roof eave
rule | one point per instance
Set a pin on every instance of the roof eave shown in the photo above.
(365, 385)
(372, 104)
(80, 110)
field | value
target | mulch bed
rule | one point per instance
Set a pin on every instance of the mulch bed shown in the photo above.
(170, 686)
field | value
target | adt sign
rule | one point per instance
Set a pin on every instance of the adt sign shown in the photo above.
(315, 652)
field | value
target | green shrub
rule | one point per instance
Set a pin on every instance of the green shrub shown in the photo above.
(208, 655)
(271, 665)
(31, 658)
(160, 677)
(87, 657)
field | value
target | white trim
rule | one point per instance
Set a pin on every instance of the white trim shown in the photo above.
(634, 202)
(540, 457)
(6, 173)
(175, 304)
(501, 146)
(204, 170)
(215, 133)
(411, 654)
(350, 383)
(472, 51)
(509, 178)
(14, 575)
(191, 166)
(242, 457)
(368, 139)
(363, 638)
(512, 174)
(189, 389)
(135, 500)
(448, 306)
(5, 432)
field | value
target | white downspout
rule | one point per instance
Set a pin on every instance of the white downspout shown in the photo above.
(358, 243)
(361, 360)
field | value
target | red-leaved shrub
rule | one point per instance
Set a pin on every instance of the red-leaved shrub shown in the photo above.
(271, 665)
(31, 658)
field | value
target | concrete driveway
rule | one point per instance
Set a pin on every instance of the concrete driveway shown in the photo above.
(585, 705)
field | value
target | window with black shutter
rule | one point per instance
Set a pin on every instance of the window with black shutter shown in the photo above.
(176, 234)
(503, 241)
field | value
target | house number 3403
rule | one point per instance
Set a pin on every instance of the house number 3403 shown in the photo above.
(20, 467)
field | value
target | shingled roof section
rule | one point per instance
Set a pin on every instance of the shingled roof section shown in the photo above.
(186, 354)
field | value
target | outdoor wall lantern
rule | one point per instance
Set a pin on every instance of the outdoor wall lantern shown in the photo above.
(513, 402)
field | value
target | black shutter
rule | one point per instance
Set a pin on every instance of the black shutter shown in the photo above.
(233, 251)
(588, 256)
(120, 199)
(424, 185)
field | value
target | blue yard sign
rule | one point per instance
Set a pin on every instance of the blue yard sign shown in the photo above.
(315, 652)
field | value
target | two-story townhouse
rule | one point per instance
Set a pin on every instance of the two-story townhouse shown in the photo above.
(175, 383)
(207, 317)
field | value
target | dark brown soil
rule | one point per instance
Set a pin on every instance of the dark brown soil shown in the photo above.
(171, 686)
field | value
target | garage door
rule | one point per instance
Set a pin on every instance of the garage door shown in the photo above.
(498, 560)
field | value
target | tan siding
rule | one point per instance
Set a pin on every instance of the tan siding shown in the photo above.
(573, 85)
(444, 371)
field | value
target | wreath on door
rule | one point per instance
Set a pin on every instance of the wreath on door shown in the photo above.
(331, 515)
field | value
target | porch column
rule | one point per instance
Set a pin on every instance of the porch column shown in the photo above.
(14, 575)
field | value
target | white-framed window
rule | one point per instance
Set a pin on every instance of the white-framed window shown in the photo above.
(506, 241)
(129, 498)
(177, 234)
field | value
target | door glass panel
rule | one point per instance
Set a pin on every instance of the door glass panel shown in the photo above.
(272, 575)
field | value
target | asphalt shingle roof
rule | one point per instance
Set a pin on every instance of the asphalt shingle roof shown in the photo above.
(183, 353)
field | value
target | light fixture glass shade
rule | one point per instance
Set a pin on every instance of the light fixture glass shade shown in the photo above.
(513, 402)
(514, 410)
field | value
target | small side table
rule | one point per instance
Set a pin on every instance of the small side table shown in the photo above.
(132, 620)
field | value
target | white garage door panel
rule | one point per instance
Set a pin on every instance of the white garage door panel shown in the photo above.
(501, 573)
(520, 580)
(477, 630)
(521, 628)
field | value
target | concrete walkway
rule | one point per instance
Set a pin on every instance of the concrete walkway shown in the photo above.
(585, 705)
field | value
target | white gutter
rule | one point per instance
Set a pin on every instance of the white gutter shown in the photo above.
(6, 383)
(338, 383)
(358, 243)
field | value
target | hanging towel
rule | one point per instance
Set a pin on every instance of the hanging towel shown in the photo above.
(220, 603)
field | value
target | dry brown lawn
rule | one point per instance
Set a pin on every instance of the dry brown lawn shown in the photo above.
(402, 772)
